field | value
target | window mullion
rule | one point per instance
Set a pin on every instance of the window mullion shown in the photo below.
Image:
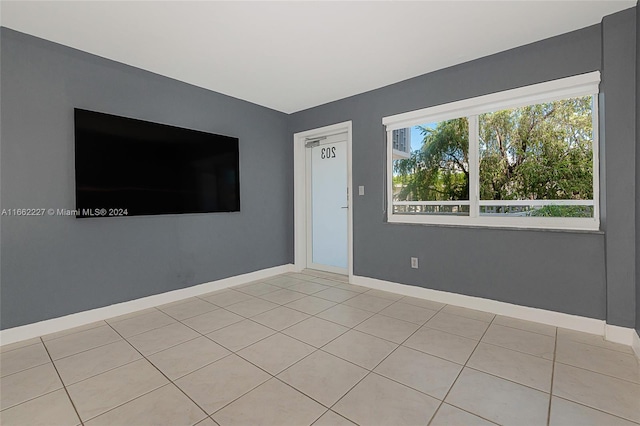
(474, 167)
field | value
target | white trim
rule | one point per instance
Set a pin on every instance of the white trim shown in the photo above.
(556, 319)
(563, 223)
(498, 203)
(300, 183)
(474, 167)
(54, 325)
(617, 334)
(570, 87)
(580, 85)
(636, 344)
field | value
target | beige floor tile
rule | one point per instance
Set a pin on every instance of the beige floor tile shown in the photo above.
(90, 363)
(73, 330)
(240, 335)
(323, 377)
(307, 287)
(423, 372)
(605, 393)
(23, 358)
(188, 309)
(28, 384)
(377, 400)
(534, 327)
(207, 422)
(21, 344)
(258, 289)
(601, 360)
(106, 391)
(516, 366)
(498, 400)
(332, 419)
(388, 328)
(51, 409)
(315, 331)
(326, 281)
(468, 313)
(165, 406)
(362, 349)
(336, 295)
(441, 344)
(311, 305)
(162, 338)
(285, 281)
(423, 303)
(130, 315)
(565, 413)
(224, 298)
(299, 275)
(275, 353)
(384, 294)
(280, 318)
(283, 296)
(217, 384)
(252, 307)
(212, 321)
(592, 339)
(141, 323)
(368, 303)
(407, 312)
(520, 340)
(335, 277)
(184, 358)
(82, 341)
(345, 315)
(272, 403)
(351, 287)
(458, 325)
(448, 415)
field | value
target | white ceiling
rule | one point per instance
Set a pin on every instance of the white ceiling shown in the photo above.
(291, 56)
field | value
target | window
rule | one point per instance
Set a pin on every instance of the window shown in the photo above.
(526, 157)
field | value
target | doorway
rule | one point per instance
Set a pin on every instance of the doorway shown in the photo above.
(322, 198)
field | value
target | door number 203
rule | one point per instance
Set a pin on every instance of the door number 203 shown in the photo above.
(328, 153)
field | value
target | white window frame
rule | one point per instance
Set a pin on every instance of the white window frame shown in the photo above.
(570, 87)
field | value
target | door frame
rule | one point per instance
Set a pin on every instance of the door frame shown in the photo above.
(301, 180)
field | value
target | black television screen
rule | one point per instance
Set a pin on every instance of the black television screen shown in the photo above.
(132, 167)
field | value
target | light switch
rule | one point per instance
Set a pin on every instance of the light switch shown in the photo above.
(361, 190)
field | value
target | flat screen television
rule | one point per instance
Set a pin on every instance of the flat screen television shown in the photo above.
(129, 167)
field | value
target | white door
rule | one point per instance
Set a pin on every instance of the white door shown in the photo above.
(327, 218)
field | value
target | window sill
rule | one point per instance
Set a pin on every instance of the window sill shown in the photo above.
(589, 226)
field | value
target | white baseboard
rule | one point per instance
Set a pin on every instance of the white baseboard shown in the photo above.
(556, 319)
(616, 334)
(54, 325)
(636, 344)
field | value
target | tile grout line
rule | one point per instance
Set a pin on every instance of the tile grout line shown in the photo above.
(460, 373)
(64, 386)
(553, 369)
(320, 349)
(317, 349)
(376, 366)
(597, 409)
(153, 390)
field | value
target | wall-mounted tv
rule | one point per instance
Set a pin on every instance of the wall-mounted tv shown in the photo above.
(132, 167)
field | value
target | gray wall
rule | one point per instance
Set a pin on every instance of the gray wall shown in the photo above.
(560, 271)
(638, 167)
(52, 266)
(619, 94)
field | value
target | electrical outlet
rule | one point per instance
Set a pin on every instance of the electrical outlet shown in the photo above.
(414, 262)
(361, 190)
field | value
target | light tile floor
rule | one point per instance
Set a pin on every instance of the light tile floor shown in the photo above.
(302, 349)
